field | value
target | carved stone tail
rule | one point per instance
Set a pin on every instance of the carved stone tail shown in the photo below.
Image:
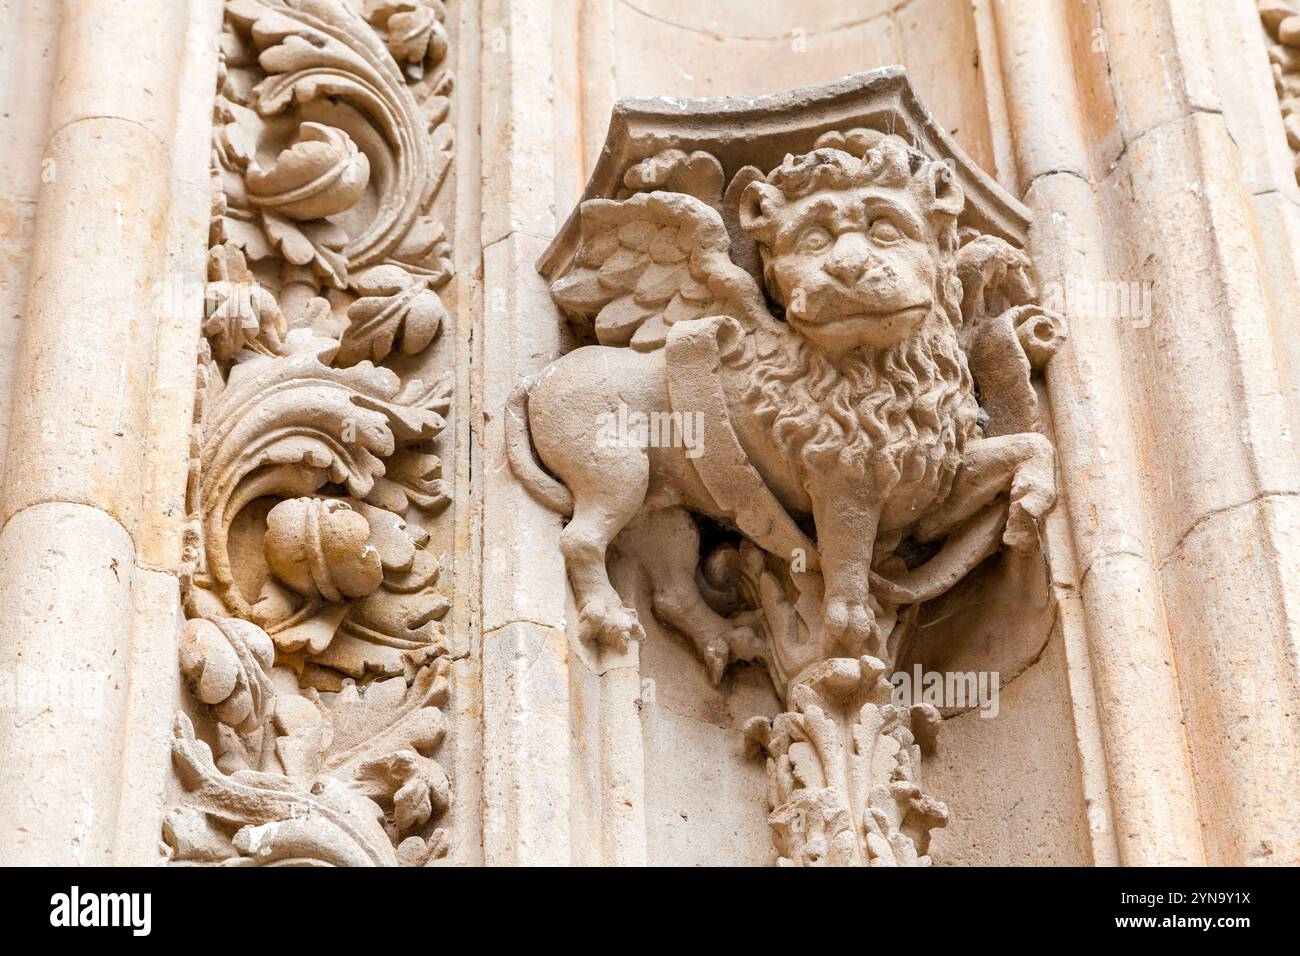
(519, 452)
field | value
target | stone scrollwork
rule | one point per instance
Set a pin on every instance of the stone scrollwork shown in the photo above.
(846, 311)
(295, 780)
(314, 652)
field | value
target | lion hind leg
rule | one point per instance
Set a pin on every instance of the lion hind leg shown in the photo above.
(603, 505)
(670, 561)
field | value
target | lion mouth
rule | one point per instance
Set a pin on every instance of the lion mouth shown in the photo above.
(830, 318)
(835, 332)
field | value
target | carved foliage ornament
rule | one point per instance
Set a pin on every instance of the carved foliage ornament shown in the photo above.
(1281, 20)
(858, 351)
(314, 650)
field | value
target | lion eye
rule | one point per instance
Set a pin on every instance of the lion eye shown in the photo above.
(814, 239)
(882, 230)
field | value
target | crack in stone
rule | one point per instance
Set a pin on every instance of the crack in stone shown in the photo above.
(1104, 555)
(1214, 513)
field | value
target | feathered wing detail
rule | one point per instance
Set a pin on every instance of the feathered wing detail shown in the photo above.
(650, 261)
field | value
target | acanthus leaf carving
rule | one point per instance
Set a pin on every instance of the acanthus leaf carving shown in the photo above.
(413, 31)
(1281, 20)
(317, 54)
(397, 310)
(314, 651)
(238, 313)
(342, 785)
(844, 771)
(286, 425)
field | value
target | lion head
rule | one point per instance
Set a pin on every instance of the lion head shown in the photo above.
(855, 248)
(861, 252)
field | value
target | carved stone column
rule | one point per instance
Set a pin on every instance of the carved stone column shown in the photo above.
(88, 594)
(1141, 718)
(1185, 539)
(527, 734)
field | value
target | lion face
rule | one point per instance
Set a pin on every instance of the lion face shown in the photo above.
(853, 269)
(852, 246)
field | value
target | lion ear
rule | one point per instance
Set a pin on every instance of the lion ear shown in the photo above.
(949, 199)
(756, 207)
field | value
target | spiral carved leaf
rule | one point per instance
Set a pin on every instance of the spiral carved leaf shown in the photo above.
(325, 49)
(289, 424)
(321, 174)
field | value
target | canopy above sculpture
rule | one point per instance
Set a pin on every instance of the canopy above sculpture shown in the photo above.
(761, 130)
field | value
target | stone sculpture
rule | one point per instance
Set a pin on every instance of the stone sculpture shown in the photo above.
(859, 360)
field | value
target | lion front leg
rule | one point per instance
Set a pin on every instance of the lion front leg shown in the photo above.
(1021, 466)
(846, 536)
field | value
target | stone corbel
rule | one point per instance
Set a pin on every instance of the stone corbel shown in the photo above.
(694, 225)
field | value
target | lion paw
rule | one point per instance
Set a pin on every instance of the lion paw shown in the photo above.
(1021, 534)
(738, 643)
(1028, 507)
(1033, 492)
(850, 622)
(609, 624)
(717, 654)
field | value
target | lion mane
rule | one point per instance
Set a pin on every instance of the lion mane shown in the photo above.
(898, 416)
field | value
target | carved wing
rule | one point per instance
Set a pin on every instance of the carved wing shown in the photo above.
(1005, 333)
(650, 261)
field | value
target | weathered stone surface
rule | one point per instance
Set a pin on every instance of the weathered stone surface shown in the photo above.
(623, 432)
(65, 656)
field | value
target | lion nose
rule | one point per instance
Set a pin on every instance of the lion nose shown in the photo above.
(848, 260)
